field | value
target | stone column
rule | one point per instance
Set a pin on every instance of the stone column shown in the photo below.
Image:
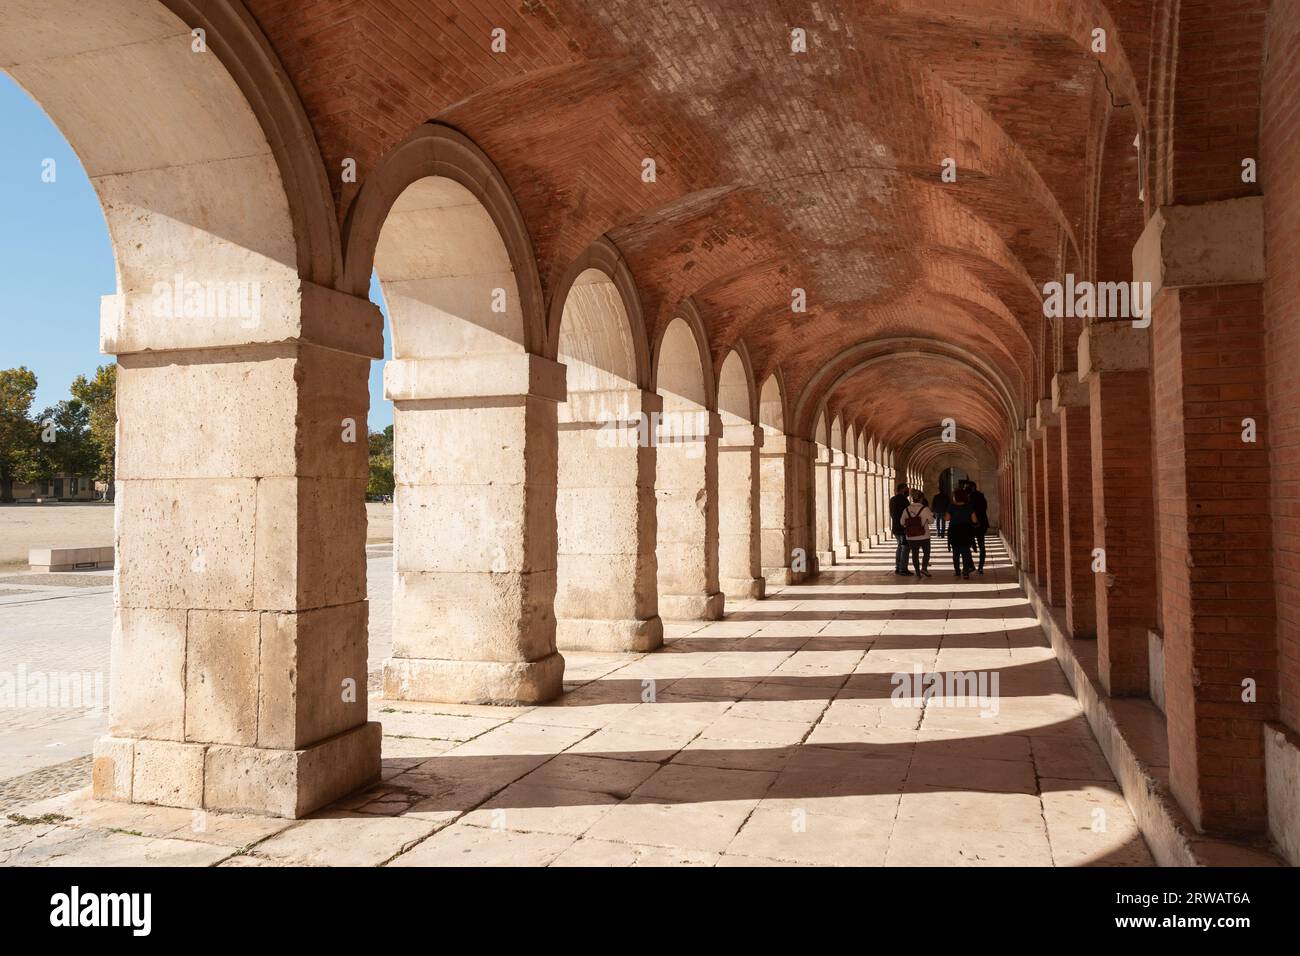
(852, 502)
(871, 492)
(822, 507)
(239, 633)
(607, 596)
(1114, 362)
(799, 467)
(1070, 400)
(839, 543)
(1206, 266)
(777, 495)
(686, 495)
(739, 548)
(474, 529)
(1034, 449)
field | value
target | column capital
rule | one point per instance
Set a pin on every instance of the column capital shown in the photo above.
(1213, 243)
(1046, 416)
(1112, 347)
(741, 435)
(1068, 391)
(506, 374)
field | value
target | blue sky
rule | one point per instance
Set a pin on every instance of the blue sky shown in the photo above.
(56, 260)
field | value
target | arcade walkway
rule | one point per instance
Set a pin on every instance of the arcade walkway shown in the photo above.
(767, 738)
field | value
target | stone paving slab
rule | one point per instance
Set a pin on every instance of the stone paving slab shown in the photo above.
(771, 738)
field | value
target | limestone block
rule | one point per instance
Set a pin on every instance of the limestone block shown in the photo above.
(333, 389)
(474, 682)
(1214, 243)
(464, 442)
(450, 315)
(147, 679)
(605, 586)
(167, 773)
(291, 783)
(704, 606)
(599, 635)
(1068, 391)
(186, 543)
(221, 677)
(310, 542)
(225, 415)
(474, 616)
(502, 528)
(305, 662)
(469, 375)
(1282, 773)
(113, 768)
(597, 523)
(1112, 347)
(584, 462)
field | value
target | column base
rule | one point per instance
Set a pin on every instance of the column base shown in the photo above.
(864, 545)
(474, 682)
(235, 779)
(691, 607)
(609, 636)
(841, 553)
(825, 559)
(739, 589)
(781, 576)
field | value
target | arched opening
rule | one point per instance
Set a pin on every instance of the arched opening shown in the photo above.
(240, 525)
(822, 494)
(474, 418)
(778, 493)
(739, 554)
(686, 479)
(606, 592)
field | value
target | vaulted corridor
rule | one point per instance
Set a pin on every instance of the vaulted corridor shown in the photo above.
(676, 305)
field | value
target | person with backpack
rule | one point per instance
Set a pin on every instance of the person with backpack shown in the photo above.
(916, 520)
(980, 505)
(940, 508)
(961, 533)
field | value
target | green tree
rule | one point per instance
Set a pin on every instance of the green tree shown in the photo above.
(19, 435)
(66, 447)
(99, 395)
(381, 463)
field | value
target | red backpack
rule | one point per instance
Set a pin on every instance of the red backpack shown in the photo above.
(913, 526)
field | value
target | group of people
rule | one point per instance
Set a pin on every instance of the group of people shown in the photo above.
(961, 520)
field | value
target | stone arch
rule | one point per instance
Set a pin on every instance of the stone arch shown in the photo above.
(771, 404)
(225, 253)
(739, 520)
(438, 223)
(686, 473)
(475, 417)
(606, 591)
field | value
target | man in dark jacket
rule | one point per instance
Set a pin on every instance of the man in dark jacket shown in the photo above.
(940, 508)
(981, 506)
(897, 505)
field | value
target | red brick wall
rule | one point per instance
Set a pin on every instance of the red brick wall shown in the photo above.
(1215, 550)
(1280, 152)
(1054, 548)
(1123, 519)
(1076, 518)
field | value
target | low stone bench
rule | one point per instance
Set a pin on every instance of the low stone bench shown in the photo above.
(70, 559)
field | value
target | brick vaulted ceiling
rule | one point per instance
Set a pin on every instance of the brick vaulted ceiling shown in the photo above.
(776, 170)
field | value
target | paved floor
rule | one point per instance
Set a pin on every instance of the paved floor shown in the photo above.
(773, 737)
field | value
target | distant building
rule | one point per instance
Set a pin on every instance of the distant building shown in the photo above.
(59, 488)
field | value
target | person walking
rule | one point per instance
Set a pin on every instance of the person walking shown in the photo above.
(916, 520)
(961, 533)
(940, 508)
(897, 505)
(980, 505)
